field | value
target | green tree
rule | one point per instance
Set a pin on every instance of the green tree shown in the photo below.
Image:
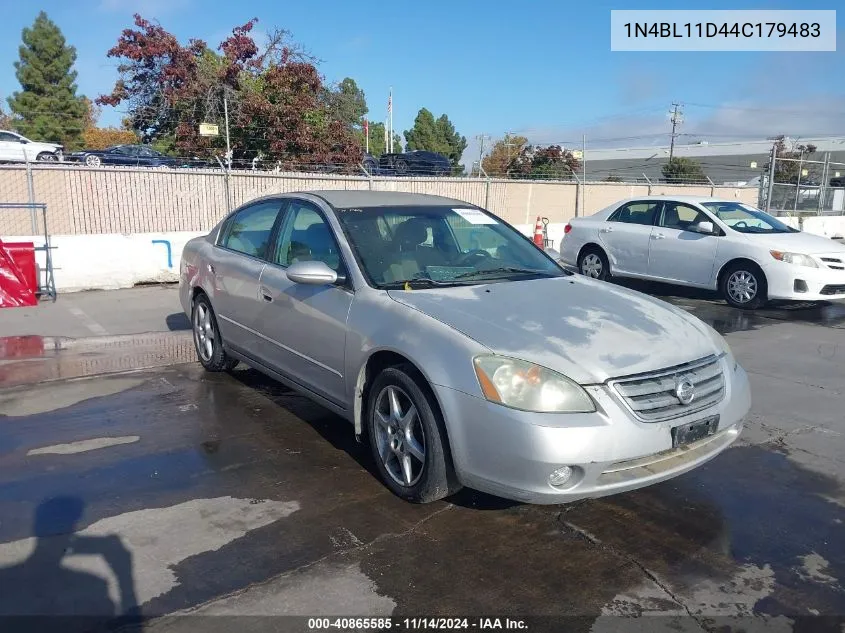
(48, 107)
(684, 171)
(346, 103)
(377, 147)
(552, 162)
(436, 135)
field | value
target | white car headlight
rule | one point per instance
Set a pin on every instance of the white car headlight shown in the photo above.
(522, 385)
(794, 258)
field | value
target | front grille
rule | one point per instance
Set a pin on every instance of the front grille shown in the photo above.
(836, 263)
(652, 398)
(833, 290)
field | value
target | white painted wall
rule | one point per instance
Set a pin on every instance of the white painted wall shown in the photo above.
(109, 261)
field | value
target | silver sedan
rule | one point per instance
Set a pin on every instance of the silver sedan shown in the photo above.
(460, 352)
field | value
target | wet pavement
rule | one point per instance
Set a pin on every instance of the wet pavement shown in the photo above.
(132, 481)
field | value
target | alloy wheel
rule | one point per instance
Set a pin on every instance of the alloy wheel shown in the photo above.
(204, 335)
(742, 286)
(400, 437)
(591, 266)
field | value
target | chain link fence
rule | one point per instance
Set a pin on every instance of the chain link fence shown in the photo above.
(802, 187)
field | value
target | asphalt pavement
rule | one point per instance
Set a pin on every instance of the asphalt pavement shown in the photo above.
(131, 481)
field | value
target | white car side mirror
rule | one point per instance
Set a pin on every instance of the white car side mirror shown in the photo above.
(705, 227)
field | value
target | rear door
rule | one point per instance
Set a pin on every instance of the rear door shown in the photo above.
(11, 147)
(238, 261)
(626, 235)
(304, 326)
(678, 253)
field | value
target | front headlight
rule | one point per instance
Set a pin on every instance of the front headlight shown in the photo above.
(522, 385)
(794, 258)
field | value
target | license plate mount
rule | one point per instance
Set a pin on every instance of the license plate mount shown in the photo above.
(694, 431)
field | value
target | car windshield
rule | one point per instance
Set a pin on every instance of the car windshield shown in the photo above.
(744, 218)
(422, 246)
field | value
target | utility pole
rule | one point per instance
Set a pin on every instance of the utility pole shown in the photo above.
(675, 117)
(228, 147)
(480, 138)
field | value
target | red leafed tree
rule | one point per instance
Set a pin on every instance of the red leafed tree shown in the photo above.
(552, 162)
(272, 94)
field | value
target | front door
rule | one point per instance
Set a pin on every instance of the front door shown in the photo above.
(305, 326)
(238, 262)
(678, 253)
(626, 235)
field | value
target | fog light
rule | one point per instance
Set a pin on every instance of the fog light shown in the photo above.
(560, 476)
(800, 285)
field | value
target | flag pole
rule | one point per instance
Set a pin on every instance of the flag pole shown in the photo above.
(367, 135)
(390, 115)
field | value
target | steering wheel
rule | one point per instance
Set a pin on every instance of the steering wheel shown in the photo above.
(743, 223)
(476, 252)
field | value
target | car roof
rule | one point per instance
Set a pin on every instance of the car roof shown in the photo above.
(694, 199)
(342, 198)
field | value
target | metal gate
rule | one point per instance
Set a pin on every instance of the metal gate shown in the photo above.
(29, 220)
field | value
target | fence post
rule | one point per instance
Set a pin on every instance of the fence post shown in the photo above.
(771, 191)
(225, 184)
(30, 187)
(649, 183)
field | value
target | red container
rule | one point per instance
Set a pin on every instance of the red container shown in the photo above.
(23, 254)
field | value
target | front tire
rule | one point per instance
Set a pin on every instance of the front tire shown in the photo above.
(406, 437)
(93, 161)
(593, 263)
(401, 167)
(47, 157)
(744, 286)
(207, 340)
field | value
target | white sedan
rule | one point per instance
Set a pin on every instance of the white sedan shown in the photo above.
(746, 254)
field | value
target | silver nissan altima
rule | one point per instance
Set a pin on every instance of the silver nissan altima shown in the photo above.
(459, 351)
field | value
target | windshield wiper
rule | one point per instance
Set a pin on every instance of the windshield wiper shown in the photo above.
(421, 282)
(505, 269)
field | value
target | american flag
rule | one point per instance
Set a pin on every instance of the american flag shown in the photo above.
(390, 102)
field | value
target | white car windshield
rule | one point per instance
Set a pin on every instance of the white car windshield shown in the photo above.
(744, 218)
(439, 246)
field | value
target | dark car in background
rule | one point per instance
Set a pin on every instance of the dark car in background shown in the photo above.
(132, 156)
(416, 163)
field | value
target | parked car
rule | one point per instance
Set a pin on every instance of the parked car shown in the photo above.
(416, 163)
(15, 148)
(746, 254)
(128, 155)
(459, 351)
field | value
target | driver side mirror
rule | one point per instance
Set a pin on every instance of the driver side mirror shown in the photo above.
(705, 227)
(24, 141)
(313, 273)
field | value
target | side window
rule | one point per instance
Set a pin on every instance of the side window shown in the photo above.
(250, 229)
(636, 213)
(305, 237)
(680, 216)
(5, 136)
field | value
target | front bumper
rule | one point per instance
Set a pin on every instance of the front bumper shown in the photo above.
(814, 284)
(511, 453)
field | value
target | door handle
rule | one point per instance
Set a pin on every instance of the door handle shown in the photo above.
(606, 230)
(658, 236)
(265, 294)
(211, 268)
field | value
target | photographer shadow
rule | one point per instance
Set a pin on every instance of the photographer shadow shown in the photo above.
(43, 592)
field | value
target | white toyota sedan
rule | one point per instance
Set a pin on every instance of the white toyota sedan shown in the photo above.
(746, 254)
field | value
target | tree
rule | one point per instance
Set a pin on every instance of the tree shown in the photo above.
(47, 108)
(552, 162)
(684, 171)
(6, 122)
(790, 172)
(95, 137)
(436, 136)
(377, 147)
(496, 162)
(275, 97)
(346, 103)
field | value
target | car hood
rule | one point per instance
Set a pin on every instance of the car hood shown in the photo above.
(587, 330)
(805, 243)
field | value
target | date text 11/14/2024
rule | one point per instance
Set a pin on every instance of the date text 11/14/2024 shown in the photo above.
(414, 624)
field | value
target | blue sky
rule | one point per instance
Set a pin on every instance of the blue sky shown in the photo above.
(541, 68)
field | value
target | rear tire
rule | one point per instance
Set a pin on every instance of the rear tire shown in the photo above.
(406, 437)
(207, 340)
(743, 285)
(593, 263)
(401, 167)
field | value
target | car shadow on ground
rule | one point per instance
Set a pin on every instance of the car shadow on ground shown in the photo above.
(177, 321)
(339, 433)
